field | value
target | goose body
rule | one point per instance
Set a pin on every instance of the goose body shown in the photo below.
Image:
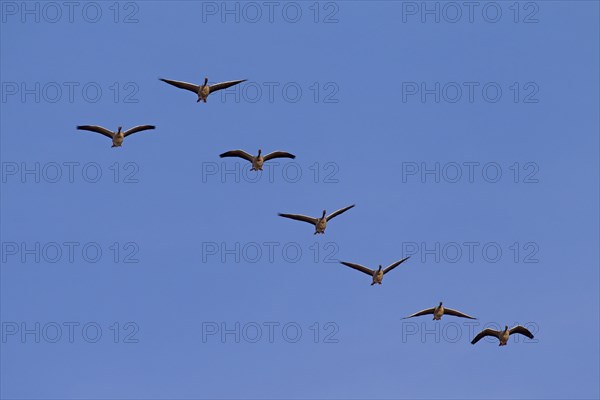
(204, 90)
(320, 223)
(439, 311)
(118, 136)
(376, 275)
(259, 160)
(503, 335)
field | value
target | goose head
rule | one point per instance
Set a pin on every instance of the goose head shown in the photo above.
(324, 212)
(205, 80)
(440, 304)
(259, 152)
(380, 268)
(119, 131)
(505, 328)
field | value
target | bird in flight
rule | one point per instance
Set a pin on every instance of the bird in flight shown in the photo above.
(259, 160)
(319, 223)
(377, 274)
(439, 311)
(503, 335)
(118, 136)
(203, 91)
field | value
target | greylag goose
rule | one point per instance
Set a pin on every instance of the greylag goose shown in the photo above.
(259, 160)
(377, 274)
(319, 223)
(439, 311)
(118, 136)
(502, 336)
(204, 90)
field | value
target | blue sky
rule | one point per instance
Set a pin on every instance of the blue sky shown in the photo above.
(201, 249)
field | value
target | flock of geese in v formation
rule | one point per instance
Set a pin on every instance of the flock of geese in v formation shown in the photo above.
(320, 223)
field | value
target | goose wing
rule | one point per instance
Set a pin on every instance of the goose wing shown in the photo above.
(522, 330)
(182, 85)
(484, 333)
(394, 265)
(358, 267)
(450, 311)
(278, 154)
(338, 212)
(97, 129)
(138, 128)
(422, 312)
(299, 217)
(224, 85)
(237, 153)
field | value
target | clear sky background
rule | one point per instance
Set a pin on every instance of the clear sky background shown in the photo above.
(362, 61)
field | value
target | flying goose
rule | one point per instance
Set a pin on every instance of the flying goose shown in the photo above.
(118, 136)
(319, 223)
(377, 274)
(502, 336)
(438, 312)
(259, 160)
(202, 90)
